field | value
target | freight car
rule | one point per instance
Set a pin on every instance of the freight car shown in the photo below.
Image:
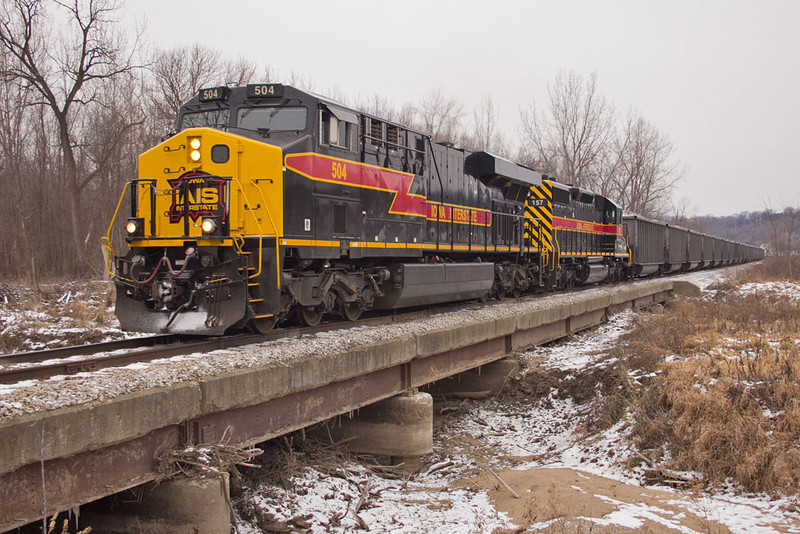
(658, 248)
(271, 202)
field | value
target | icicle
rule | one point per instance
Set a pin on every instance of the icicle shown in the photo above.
(77, 513)
(44, 484)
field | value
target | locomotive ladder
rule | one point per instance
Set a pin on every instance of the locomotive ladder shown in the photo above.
(250, 269)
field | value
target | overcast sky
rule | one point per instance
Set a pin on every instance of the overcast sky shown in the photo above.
(721, 78)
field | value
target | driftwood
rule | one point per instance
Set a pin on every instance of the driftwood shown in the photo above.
(363, 497)
(675, 479)
(501, 481)
(438, 467)
(212, 459)
(644, 458)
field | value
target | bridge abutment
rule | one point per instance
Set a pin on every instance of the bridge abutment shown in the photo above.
(478, 383)
(399, 428)
(173, 506)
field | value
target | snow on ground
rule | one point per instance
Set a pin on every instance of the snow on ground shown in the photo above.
(535, 439)
(424, 504)
(786, 289)
(56, 315)
(704, 279)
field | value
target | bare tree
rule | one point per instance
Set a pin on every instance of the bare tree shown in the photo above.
(15, 134)
(569, 137)
(241, 71)
(439, 116)
(484, 134)
(336, 94)
(647, 170)
(378, 106)
(177, 75)
(684, 214)
(784, 225)
(407, 115)
(65, 68)
(300, 81)
(485, 125)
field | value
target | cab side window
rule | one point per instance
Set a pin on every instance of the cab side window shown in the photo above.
(338, 131)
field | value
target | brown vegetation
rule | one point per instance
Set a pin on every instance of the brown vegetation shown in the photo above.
(55, 315)
(726, 401)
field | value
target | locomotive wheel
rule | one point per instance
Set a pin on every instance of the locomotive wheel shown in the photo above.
(351, 311)
(309, 317)
(265, 325)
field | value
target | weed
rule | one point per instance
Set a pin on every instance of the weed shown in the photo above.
(57, 314)
(726, 402)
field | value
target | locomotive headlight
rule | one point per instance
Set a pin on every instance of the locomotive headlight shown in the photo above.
(194, 143)
(195, 155)
(209, 226)
(135, 227)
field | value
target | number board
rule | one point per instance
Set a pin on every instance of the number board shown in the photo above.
(212, 94)
(264, 90)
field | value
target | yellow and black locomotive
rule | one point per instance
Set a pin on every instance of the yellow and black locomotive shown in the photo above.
(272, 202)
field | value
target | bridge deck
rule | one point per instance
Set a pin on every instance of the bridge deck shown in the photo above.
(74, 454)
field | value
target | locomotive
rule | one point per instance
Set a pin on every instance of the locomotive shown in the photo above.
(273, 203)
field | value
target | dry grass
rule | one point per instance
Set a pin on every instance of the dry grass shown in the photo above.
(727, 402)
(55, 314)
(776, 268)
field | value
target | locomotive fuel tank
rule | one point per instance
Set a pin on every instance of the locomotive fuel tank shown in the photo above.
(419, 284)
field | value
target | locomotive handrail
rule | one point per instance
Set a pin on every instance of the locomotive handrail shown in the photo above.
(398, 145)
(258, 225)
(628, 248)
(556, 250)
(106, 239)
(275, 229)
(441, 197)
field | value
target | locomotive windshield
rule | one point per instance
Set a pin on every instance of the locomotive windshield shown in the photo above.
(215, 118)
(273, 119)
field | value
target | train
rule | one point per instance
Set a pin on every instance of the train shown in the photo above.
(271, 204)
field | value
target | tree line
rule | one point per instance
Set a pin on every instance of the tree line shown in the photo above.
(79, 101)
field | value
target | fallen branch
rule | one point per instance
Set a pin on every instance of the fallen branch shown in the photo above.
(363, 497)
(644, 458)
(213, 459)
(438, 467)
(501, 481)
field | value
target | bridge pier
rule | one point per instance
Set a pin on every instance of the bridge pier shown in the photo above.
(478, 383)
(174, 506)
(400, 428)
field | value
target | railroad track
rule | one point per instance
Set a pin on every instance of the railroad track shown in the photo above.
(40, 365)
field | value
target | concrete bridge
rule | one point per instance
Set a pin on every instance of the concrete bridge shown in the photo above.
(63, 458)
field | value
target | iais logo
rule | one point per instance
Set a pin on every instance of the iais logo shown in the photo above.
(205, 196)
